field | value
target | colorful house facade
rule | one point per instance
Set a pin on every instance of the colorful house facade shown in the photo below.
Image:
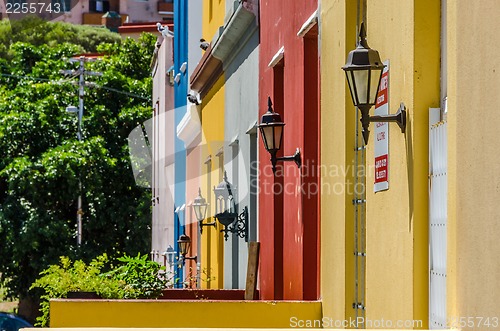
(228, 144)
(159, 130)
(410, 240)
(410, 252)
(289, 218)
(407, 243)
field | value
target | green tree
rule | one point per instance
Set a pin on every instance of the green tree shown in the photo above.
(37, 32)
(41, 160)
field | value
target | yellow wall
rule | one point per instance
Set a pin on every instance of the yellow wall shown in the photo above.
(213, 17)
(406, 33)
(337, 268)
(179, 314)
(473, 159)
(212, 115)
(212, 242)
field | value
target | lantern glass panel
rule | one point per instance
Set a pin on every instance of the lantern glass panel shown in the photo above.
(350, 81)
(268, 136)
(230, 205)
(220, 204)
(200, 211)
(169, 253)
(361, 86)
(278, 135)
(184, 247)
(184, 244)
(375, 77)
(203, 211)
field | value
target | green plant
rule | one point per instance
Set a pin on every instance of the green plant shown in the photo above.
(58, 280)
(144, 278)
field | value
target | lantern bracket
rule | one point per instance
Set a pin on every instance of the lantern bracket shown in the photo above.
(183, 257)
(399, 117)
(239, 226)
(201, 224)
(295, 158)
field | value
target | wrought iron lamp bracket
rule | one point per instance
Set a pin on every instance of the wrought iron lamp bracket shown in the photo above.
(238, 227)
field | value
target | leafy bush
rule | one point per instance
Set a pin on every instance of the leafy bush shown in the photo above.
(141, 276)
(136, 277)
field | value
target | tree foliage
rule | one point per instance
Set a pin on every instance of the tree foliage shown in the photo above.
(35, 31)
(42, 161)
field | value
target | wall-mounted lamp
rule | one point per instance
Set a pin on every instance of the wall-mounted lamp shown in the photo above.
(364, 71)
(271, 131)
(184, 243)
(226, 213)
(169, 256)
(200, 207)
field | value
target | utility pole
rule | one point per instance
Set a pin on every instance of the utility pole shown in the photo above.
(81, 92)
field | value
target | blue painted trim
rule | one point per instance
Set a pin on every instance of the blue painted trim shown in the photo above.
(180, 103)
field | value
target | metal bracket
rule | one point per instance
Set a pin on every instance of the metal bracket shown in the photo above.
(399, 118)
(201, 225)
(295, 158)
(238, 227)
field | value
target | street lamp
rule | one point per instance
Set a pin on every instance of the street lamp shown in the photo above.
(271, 130)
(200, 207)
(184, 243)
(363, 72)
(226, 213)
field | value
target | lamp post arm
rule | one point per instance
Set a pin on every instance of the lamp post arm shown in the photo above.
(399, 117)
(201, 225)
(295, 157)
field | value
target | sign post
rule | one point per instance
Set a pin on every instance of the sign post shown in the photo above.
(382, 134)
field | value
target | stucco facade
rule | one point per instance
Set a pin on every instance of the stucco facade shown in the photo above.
(473, 162)
(162, 147)
(289, 200)
(436, 62)
(392, 281)
(240, 63)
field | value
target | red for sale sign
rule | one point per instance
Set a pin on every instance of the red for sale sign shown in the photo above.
(381, 169)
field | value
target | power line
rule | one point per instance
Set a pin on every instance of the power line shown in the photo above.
(68, 80)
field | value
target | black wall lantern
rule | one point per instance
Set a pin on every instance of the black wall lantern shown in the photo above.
(363, 72)
(184, 243)
(271, 129)
(226, 212)
(200, 207)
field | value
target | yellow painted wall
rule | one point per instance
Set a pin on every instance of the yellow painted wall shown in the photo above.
(179, 314)
(212, 241)
(406, 33)
(473, 159)
(212, 116)
(337, 263)
(213, 17)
